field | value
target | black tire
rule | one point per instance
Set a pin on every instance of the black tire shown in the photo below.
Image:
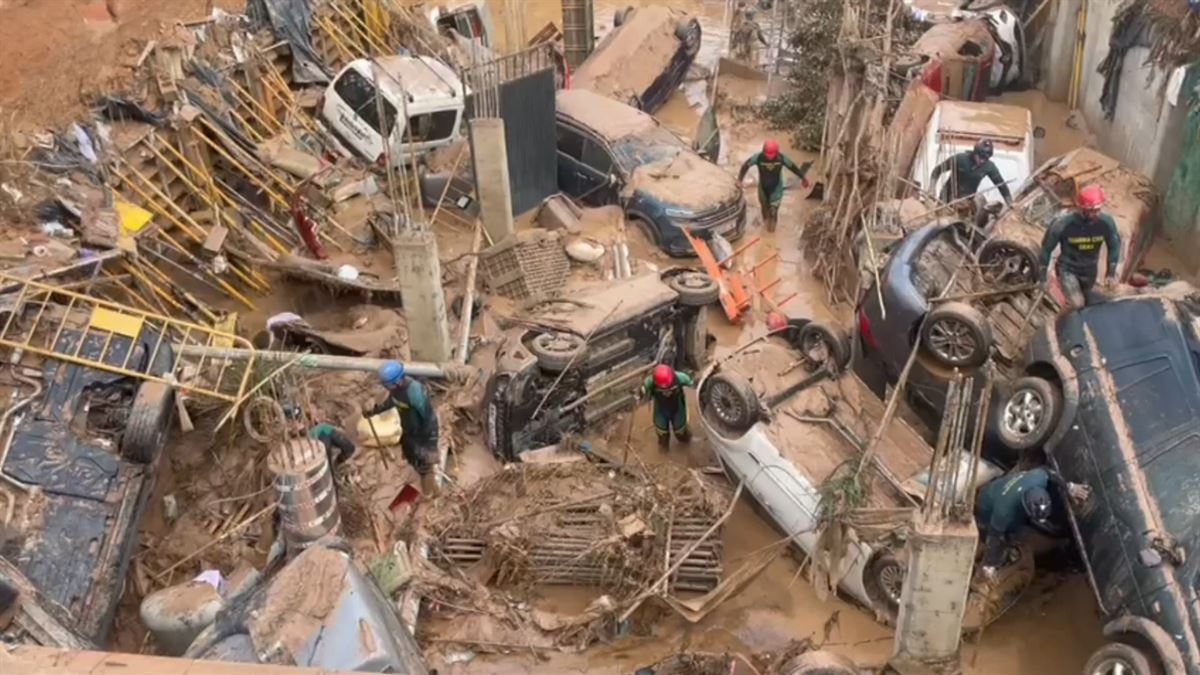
(695, 289)
(620, 15)
(818, 663)
(556, 351)
(695, 339)
(646, 229)
(731, 401)
(1030, 413)
(1106, 659)
(688, 33)
(1008, 262)
(884, 582)
(824, 345)
(149, 422)
(957, 335)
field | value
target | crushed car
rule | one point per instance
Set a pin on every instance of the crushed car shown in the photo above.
(968, 53)
(583, 359)
(610, 153)
(645, 57)
(1112, 392)
(422, 107)
(956, 126)
(80, 453)
(785, 419)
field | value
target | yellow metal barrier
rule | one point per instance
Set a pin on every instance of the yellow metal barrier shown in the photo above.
(43, 318)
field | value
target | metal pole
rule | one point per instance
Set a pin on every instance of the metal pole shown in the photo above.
(323, 361)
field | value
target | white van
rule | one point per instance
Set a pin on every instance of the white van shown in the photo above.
(956, 126)
(421, 89)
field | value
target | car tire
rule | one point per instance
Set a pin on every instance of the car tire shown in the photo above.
(695, 289)
(620, 15)
(1129, 659)
(646, 229)
(957, 335)
(731, 401)
(1030, 413)
(884, 582)
(1003, 261)
(818, 663)
(556, 351)
(695, 339)
(149, 419)
(816, 334)
(688, 32)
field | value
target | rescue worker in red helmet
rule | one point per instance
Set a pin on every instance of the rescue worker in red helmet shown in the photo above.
(665, 389)
(1078, 236)
(770, 163)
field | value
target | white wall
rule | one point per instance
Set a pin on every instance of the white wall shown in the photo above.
(1144, 133)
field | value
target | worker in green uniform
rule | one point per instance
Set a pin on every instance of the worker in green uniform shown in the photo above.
(771, 163)
(968, 169)
(418, 420)
(1013, 500)
(338, 445)
(1079, 235)
(665, 388)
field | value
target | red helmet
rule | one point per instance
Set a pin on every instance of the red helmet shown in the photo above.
(770, 148)
(1090, 197)
(776, 321)
(664, 376)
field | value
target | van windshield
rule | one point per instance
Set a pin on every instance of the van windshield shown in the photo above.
(433, 126)
(359, 93)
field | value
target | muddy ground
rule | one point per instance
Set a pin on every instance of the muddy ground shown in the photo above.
(69, 46)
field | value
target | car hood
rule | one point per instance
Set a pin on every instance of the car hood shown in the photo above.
(686, 182)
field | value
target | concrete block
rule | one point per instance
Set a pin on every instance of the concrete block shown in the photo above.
(929, 628)
(490, 154)
(419, 271)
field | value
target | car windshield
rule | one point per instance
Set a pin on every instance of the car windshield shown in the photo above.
(648, 146)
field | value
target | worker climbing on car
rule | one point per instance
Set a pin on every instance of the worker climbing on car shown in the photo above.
(746, 37)
(967, 170)
(418, 420)
(1013, 500)
(1078, 236)
(770, 163)
(665, 388)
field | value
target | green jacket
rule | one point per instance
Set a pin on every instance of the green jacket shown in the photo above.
(682, 380)
(770, 171)
(1080, 239)
(969, 175)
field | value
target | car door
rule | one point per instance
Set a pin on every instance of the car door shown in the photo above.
(576, 149)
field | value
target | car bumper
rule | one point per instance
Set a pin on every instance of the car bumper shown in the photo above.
(676, 245)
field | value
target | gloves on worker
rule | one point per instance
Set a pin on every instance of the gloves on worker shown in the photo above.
(1079, 493)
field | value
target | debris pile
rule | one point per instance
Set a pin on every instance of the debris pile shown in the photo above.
(629, 533)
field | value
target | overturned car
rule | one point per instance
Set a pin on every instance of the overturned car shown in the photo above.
(585, 358)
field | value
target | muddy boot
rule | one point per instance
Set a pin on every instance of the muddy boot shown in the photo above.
(664, 441)
(771, 220)
(684, 436)
(429, 484)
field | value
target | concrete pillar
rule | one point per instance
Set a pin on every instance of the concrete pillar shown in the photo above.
(419, 271)
(929, 628)
(490, 153)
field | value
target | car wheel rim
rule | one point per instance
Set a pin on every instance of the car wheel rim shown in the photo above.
(891, 582)
(1024, 412)
(951, 340)
(815, 349)
(693, 282)
(558, 343)
(1114, 666)
(725, 403)
(1008, 264)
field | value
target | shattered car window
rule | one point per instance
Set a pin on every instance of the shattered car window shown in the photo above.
(651, 146)
(359, 94)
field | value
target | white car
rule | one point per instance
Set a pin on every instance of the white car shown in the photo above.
(422, 104)
(784, 431)
(956, 126)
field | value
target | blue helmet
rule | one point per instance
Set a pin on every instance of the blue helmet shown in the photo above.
(391, 372)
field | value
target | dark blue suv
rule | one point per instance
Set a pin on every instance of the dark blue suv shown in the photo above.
(611, 153)
(1119, 385)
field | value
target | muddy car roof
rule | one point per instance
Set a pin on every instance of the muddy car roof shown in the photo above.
(608, 304)
(419, 76)
(608, 118)
(950, 39)
(992, 120)
(631, 56)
